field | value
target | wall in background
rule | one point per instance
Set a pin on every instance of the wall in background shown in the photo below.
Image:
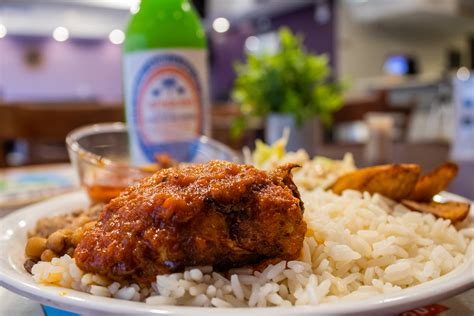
(227, 48)
(37, 68)
(362, 49)
(91, 69)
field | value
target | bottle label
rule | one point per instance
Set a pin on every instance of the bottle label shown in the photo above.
(166, 94)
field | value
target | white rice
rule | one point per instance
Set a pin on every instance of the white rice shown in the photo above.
(357, 246)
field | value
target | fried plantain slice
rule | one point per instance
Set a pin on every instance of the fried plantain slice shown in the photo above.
(393, 181)
(454, 211)
(434, 182)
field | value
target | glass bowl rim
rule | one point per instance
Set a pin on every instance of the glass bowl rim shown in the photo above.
(98, 160)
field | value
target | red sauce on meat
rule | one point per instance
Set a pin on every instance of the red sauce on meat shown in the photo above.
(219, 214)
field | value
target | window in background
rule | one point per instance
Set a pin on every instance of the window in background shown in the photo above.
(267, 43)
(400, 65)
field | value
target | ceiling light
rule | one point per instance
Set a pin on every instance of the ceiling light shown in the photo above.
(252, 43)
(186, 6)
(3, 31)
(221, 25)
(117, 37)
(463, 74)
(61, 34)
(135, 7)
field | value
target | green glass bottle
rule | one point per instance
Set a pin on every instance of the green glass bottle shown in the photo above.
(165, 77)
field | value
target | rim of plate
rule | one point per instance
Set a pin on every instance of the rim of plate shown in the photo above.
(17, 280)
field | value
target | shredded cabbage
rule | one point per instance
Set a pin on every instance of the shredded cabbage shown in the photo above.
(319, 172)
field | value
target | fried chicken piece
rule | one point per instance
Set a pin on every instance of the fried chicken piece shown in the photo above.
(219, 214)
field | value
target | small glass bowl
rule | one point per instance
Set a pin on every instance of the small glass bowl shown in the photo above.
(100, 154)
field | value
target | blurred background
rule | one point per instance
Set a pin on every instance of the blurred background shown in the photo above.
(405, 64)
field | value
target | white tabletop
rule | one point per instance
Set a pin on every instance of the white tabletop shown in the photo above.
(13, 304)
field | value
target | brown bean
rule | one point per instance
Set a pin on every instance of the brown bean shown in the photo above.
(83, 219)
(28, 265)
(35, 247)
(66, 231)
(70, 252)
(56, 241)
(77, 236)
(89, 226)
(67, 236)
(48, 255)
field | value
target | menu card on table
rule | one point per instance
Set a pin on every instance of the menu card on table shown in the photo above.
(21, 186)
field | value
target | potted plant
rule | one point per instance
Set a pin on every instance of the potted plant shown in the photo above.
(290, 89)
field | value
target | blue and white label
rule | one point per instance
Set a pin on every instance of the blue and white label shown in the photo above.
(166, 99)
(462, 145)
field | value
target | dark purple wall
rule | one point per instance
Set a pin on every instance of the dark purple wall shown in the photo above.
(72, 70)
(318, 38)
(228, 47)
(225, 49)
(79, 69)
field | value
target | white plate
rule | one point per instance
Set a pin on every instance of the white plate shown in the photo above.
(15, 278)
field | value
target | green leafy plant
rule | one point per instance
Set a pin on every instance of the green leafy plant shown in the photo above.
(291, 81)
